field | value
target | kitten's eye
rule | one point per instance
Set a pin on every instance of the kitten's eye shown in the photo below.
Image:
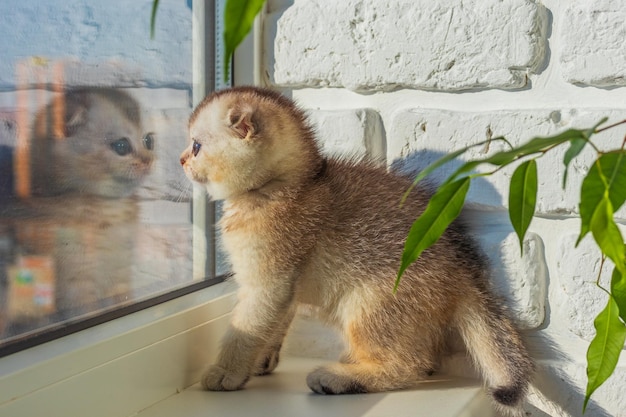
(196, 148)
(148, 141)
(121, 146)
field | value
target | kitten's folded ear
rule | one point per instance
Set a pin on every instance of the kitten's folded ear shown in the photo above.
(76, 109)
(243, 122)
(77, 119)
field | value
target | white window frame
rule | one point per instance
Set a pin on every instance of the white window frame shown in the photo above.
(125, 365)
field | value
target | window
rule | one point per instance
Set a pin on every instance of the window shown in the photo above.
(96, 216)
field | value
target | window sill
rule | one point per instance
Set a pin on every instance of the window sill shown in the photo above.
(150, 361)
(285, 393)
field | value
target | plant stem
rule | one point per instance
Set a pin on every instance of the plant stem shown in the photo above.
(600, 271)
(600, 276)
(610, 126)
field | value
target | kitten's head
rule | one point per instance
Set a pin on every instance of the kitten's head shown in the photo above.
(248, 139)
(97, 147)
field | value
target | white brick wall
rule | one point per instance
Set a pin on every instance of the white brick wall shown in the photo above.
(369, 44)
(350, 133)
(593, 34)
(577, 271)
(422, 135)
(417, 79)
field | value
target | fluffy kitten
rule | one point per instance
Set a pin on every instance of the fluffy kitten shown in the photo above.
(97, 149)
(88, 154)
(300, 228)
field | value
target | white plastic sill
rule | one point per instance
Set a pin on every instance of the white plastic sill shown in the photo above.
(285, 393)
(150, 360)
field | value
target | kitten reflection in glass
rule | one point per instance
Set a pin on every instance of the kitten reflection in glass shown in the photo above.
(70, 225)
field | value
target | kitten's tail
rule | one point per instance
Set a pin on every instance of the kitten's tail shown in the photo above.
(497, 348)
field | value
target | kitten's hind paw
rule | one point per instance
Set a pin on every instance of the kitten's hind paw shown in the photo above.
(325, 381)
(216, 378)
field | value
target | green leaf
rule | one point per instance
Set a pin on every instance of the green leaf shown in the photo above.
(606, 176)
(592, 191)
(605, 348)
(618, 291)
(155, 5)
(534, 146)
(575, 148)
(522, 198)
(617, 183)
(444, 206)
(614, 168)
(607, 235)
(238, 19)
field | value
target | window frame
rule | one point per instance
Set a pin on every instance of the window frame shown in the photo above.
(142, 354)
(207, 76)
(137, 360)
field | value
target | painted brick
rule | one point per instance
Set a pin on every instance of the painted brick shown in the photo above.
(420, 136)
(351, 133)
(373, 45)
(521, 279)
(594, 51)
(558, 380)
(580, 300)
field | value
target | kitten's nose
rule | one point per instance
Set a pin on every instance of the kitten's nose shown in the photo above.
(183, 159)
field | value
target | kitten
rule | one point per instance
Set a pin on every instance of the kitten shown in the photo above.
(299, 228)
(88, 154)
(98, 149)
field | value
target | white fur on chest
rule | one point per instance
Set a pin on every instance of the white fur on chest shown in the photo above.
(245, 245)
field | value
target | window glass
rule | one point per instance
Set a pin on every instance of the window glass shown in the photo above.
(95, 211)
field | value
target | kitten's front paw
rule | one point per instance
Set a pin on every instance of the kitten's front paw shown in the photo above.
(324, 381)
(267, 363)
(217, 378)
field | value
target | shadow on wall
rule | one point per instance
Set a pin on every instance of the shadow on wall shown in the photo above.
(488, 221)
(554, 391)
(481, 192)
(555, 385)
